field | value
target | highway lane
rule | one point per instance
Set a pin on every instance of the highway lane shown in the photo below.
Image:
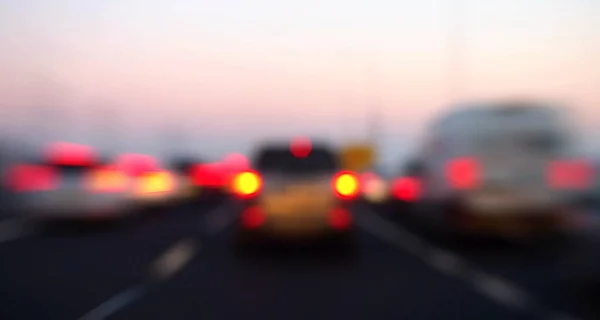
(540, 270)
(181, 266)
(62, 275)
(382, 282)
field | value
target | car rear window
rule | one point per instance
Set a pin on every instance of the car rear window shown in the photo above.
(539, 142)
(282, 160)
(546, 142)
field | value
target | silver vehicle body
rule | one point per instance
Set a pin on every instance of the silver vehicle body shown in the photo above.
(72, 199)
(513, 148)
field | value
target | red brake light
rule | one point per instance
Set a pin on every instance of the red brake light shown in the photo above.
(70, 154)
(137, 164)
(247, 184)
(346, 185)
(209, 175)
(406, 189)
(575, 174)
(301, 147)
(252, 217)
(198, 174)
(24, 178)
(463, 173)
(340, 218)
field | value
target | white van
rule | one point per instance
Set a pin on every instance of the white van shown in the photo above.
(501, 168)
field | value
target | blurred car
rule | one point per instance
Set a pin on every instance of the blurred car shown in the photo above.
(404, 189)
(187, 190)
(295, 196)
(69, 184)
(212, 179)
(501, 169)
(6, 194)
(375, 189)
(152, 187)
(590, 198)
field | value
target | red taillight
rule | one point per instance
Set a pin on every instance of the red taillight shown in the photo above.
(27, 178)
(301, 147)
(576, 174)
(252, 218)
(346, 185)
(406, 189)
(246, 184)
(107, 179)
(137, 164)
(209, 175)
(70, 154)
(463, 173)
(340, 218)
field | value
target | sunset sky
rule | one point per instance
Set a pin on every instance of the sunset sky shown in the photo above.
(229, 73)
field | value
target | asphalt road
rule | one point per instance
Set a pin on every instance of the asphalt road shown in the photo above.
(181, 265)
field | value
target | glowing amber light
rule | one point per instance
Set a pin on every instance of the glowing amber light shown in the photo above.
(156, 182)
(346, 184)
(108, 180)
(246, 183)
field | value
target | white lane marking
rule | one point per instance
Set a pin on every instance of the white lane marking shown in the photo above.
(387, 232)
(219, 218)
(501, 291)
(164, 267)
(446, 262)
(114, 304)
(174, 259)
(496, 289)
(560, 317)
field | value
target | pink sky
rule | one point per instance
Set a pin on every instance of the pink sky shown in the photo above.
(287, 67)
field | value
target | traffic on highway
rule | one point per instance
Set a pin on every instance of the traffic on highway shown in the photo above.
(485, 221)
(281, 159)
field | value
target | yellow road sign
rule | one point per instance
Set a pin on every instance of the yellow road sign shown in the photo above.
(357, 157)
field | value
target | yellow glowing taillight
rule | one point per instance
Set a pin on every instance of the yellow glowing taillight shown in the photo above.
(155, 182)
(346, 185)
(247, 183)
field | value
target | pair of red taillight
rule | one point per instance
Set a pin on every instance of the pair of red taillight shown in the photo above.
(32, 178)
(465, 173)
(246, 184)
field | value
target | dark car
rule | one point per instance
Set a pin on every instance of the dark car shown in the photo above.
(404, 188)
(184, 168)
